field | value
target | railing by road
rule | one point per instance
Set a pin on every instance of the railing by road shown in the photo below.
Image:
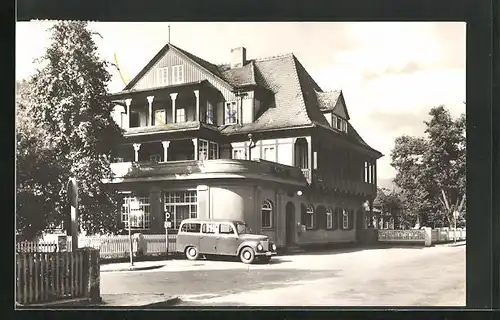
(424, 236)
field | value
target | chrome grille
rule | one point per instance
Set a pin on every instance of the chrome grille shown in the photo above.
(265, 245)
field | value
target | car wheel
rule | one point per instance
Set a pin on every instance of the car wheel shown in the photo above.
(247, 255)
(192, 253)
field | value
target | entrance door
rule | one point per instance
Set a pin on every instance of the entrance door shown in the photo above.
(290, 224)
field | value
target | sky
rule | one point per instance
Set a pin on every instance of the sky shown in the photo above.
(391, 73)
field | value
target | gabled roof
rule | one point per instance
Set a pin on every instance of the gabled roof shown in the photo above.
(197, 60)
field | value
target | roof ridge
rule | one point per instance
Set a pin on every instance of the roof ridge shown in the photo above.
(284, 55)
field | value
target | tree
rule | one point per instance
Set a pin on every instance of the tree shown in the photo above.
(38, 176)
(431, 170)
(390, 202)
(68, 99)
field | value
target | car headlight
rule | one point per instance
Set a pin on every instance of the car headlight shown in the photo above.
(273, 247)
(260, 247)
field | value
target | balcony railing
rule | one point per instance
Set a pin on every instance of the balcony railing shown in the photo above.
(206, 169)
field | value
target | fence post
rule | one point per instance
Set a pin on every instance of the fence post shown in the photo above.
(92, 271)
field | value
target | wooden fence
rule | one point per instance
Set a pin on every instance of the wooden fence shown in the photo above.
(30, 246)
(46, 277)
(118, 246)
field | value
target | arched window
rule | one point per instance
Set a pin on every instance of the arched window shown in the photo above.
(329, 218)
(310, 217)
(345, 219)
(267, 214)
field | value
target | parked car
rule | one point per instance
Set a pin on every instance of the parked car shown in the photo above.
(198, 237)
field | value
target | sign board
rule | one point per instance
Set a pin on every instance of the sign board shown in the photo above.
(167, 215)
(62, 243)
(168, 224)
(134, 204)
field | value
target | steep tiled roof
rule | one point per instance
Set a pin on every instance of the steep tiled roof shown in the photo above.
(239, 77)
(278, 75)
(298, 99)
(327, 100)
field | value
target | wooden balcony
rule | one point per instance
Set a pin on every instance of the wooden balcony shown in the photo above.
(207, 169)
(344, 186)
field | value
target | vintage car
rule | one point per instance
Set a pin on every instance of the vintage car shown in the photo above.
(222, 237)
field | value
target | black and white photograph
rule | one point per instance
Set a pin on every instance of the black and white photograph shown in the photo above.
(240, 164)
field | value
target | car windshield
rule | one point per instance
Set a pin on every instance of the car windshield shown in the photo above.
(242, 228)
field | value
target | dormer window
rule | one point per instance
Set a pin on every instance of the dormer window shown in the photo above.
(339, 123)
(231, 113)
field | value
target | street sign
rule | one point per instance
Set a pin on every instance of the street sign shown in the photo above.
(167, 215)
(134, 204)
(168, 224)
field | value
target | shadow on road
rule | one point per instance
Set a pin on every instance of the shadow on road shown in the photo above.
(196, 285)
(333, 251)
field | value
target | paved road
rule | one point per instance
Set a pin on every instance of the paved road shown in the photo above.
(376, 277)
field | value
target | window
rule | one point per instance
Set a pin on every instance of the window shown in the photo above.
(209, 228)
(267, 214)
(207, 150)
(162, 76)
(226, 229)
(210, 113)
(180, 115)
(181, 205)
(310, 217)
(155, 158)
(329, 218)
(269, 153)
(239, 154)
(140, 218)
(177, 74)
(231, 113)
(191, 227)
(345, 219)
(339, 123)
(160, 117)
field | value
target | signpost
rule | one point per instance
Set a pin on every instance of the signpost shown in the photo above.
(72, 192)
(167, 225)
(133, 206)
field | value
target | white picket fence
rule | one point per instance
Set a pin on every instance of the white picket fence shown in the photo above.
(110, 247)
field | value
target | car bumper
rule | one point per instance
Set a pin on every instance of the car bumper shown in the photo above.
(265, 254)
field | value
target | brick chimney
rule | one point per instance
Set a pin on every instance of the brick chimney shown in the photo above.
(238, 57)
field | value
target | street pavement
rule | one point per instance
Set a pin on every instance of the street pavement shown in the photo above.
(432, 276)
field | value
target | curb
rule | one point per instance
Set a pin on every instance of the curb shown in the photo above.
(133, 268)
(59, 303)
(167, 303)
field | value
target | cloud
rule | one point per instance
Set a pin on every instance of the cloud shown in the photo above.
(408, 68)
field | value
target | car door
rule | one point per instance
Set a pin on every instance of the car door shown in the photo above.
(227, 239)
(208, 238)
